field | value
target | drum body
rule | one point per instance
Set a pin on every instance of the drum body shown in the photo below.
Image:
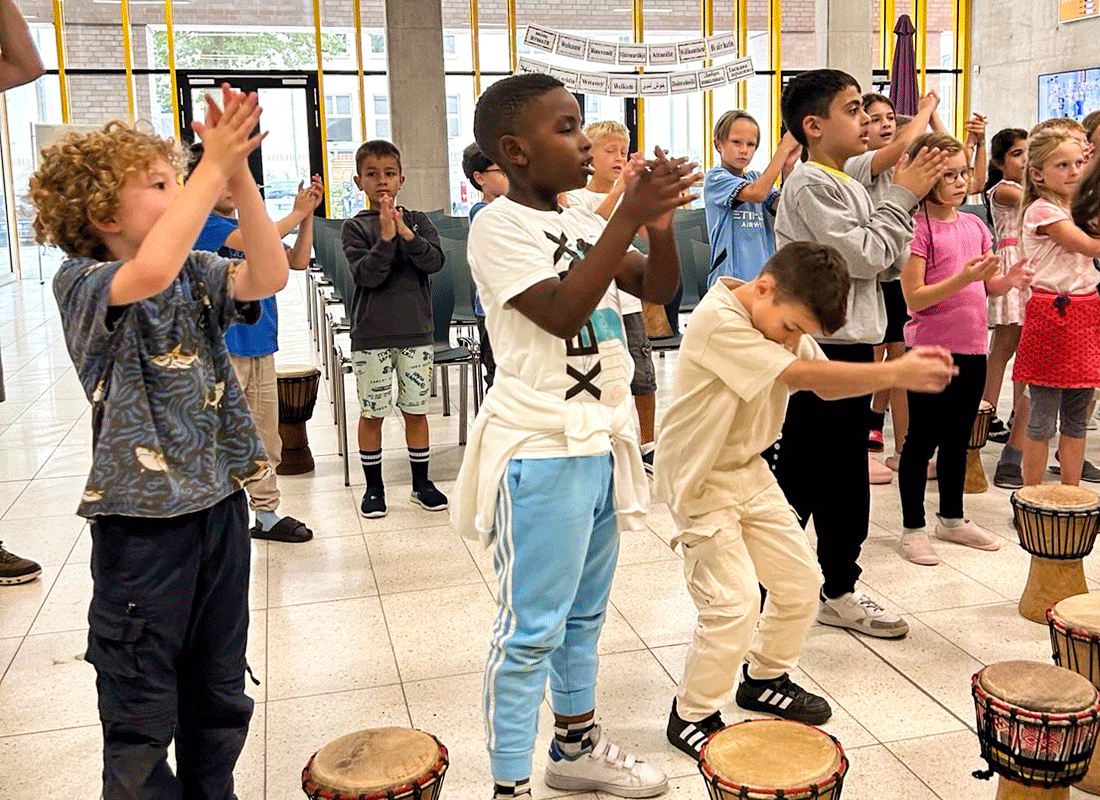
(761, 759)
(390, 763)
(975, 481)
(297, 397)
(1037, 726)
(1058, 525)
(1075, 642)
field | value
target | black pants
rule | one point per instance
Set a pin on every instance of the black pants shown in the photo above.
(168, 627)
(942, 421)
(820, 462)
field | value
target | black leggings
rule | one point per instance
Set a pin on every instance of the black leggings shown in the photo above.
(942, 421)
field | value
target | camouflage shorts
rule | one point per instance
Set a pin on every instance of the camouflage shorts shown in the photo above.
(374, 370)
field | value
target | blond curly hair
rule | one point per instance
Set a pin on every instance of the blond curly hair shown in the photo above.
(80, 177)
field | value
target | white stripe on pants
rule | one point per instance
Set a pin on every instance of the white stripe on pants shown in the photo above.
(757, 539)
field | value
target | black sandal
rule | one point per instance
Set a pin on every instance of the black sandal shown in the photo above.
(287, 529)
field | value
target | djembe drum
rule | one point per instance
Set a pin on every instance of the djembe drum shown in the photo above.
(1075, 643)
(1057, 524)
(377, 763)
(1037, 726)
(761, 759)
(297, 397)
(976, 482)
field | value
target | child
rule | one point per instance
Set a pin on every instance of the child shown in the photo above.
(391, 252)
(1059, 351)
(950, 271)
(746, 349)
(1006, 313)
(490, 180)
(610, 142)
(822, 457)
(740, 204)
(1091, 124)
(536, 479)
(252, 347)
(144, 318)
(886, 145)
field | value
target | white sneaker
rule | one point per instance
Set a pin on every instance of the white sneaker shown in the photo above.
(860, 613)
(605, 768)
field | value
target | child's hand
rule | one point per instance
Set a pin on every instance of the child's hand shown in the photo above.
(1020, 275)
(403, 230)
(925, 369)
(980, 268)
(928, 100)
(227, 133)
(657, 187)
(975, 128)
(386, 219)
(308, 197)
(920, 173)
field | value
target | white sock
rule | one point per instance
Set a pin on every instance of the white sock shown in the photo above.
(952, 522)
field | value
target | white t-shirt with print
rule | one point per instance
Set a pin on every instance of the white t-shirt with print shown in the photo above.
(586, 198)
(511, 248)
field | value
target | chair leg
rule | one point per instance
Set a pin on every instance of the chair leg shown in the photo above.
(446, 391)
(463, 376)
(343, 431)
(435, 377)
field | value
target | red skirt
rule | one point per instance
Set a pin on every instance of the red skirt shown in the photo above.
(1060, 342)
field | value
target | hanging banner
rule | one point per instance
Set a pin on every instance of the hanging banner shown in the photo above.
(635, 55)
(645, 84)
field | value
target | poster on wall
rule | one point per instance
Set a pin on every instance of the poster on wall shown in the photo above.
(1073, 10)
(1073, 93)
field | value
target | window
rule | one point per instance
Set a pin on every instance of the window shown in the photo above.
(382, 128)
(381, 105)
(377, 43)
(449, 44)
(338, 122)
(453, 125)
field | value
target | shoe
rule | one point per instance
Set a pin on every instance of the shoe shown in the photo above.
(647, 462)
(970, 535)
(14, 569)
(374, 502)
(1089, 472)
(428, 497)
(874, 441)
(287, 529)
(878, 473)
(1091, 425)
(998, 431)
(783, 698)
(688, 737)
(917, 548)
(860, 613)
(1008, 476)
(605, 768)
(893, 462)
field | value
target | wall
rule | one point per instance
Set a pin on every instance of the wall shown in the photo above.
(1011, 44)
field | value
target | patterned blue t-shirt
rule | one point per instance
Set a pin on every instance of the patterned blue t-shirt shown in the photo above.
(741, 234)
(262, 338)
(171, 429)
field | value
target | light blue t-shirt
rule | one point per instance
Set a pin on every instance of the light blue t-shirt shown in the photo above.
(741, 233)
(262, 338)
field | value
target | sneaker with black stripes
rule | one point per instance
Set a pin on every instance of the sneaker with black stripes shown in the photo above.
(782, 697)
(689, 736)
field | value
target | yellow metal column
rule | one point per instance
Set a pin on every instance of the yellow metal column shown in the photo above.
(639, 34)
(886, 34)
(962, 63)
(357, 16)
(776, 61)
(475, 47)
(741, 15)
(706, 20)
(321, 98)
(170, 34)
(920, 8)
(62, 83)
(511, 9)
(128, 57)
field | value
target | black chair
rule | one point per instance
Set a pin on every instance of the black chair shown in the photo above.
(446, 354)
(452, 227)
(454, 257)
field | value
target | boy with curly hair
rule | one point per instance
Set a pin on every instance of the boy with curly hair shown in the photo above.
(174, 443)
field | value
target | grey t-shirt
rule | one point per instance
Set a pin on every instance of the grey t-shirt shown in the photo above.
(171, 429)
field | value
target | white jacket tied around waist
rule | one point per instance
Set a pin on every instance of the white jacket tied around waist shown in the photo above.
(514, 413)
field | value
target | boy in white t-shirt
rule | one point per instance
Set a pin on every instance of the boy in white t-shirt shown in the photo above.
(556, 426)
(748, 347)
(610, 145)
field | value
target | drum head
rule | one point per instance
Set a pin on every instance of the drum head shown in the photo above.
(374, 759)
(1057, 497)
(296, 370)
(1043, 688)
(1080, 612)
(772, 753)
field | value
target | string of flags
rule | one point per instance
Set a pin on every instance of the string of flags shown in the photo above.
(621, 84)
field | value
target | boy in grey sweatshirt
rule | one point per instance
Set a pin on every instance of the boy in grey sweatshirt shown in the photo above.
(820, 460)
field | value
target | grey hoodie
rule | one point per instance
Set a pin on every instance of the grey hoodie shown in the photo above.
(392, 306)
(823, 205)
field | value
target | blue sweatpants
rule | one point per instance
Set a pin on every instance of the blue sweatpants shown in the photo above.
(556, 544)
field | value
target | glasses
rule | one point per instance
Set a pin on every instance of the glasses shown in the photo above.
(491, 169)
(951, 176)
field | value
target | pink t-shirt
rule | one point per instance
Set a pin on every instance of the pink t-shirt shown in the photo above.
(1056, 268)
(957, 322)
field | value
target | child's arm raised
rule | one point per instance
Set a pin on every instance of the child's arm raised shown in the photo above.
(285, 225)
(922, 369)
(920, 295)
(975, 139)
(307, 201)
(758, 190)
(19, 60)
(562, 306)
(371, 262)
(421, 248)
(227, 139)
(264, 270)
(886, 157)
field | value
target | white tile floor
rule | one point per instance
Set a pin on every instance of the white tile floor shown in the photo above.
(385, 622)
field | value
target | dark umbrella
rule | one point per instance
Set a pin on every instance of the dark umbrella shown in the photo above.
(903, 71)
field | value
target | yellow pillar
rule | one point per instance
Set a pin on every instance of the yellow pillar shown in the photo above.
(920, 7)
(776, 61)
(321, 98)
(706, 21)
(169, 32)
(639, 35)
(62, 82)
(741, 15)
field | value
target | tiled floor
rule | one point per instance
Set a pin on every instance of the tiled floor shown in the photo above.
(385, 622)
